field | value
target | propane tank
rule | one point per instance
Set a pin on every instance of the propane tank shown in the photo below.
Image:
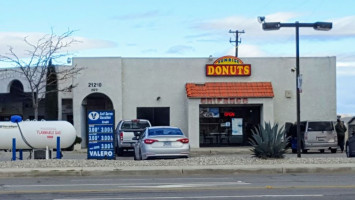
(36, 134)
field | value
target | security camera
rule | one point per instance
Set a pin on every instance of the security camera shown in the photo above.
(261, 19)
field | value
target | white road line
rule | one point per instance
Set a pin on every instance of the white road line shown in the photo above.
(198, 197)
(64, 185)
(147, 185)
(139, 179)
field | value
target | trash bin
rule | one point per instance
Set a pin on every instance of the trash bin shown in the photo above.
(350, 147)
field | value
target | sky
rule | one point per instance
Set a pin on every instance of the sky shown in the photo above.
(189, 28)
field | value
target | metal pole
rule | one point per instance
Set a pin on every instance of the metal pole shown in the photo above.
(13, 149)
(298, 91)
(236, 40)
(236, 43)
(47, 152)
(58, 148)
(20, 154)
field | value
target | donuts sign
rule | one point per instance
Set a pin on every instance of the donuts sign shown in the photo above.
(228, 66)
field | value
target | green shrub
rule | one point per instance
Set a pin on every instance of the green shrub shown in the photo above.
(269, 141)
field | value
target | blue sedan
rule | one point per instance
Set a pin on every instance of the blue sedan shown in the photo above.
(161, 142)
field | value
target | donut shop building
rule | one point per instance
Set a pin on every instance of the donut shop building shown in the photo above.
(215, 101)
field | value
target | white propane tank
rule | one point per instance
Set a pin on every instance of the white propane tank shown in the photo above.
(37, 134)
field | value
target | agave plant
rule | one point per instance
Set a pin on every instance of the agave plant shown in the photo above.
(269, 141)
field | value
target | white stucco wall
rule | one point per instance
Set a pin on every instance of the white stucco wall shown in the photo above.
(137, 82)
(107, 71)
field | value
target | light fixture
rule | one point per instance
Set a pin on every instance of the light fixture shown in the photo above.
(323, 26)
(271, 26)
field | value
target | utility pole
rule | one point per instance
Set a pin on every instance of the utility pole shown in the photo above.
(237, 41)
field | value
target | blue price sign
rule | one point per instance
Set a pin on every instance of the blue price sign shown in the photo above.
(101, 142)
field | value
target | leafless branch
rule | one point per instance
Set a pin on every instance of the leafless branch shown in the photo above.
(35, 66)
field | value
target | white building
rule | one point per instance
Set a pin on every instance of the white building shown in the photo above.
(217, 110)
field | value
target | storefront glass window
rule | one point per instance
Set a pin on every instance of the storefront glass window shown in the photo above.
(227, 125)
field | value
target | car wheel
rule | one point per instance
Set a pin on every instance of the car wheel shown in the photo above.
(135, 156)
(140, 155)
(321, 150)
(304, 150)
(333, 150)
(294, 150)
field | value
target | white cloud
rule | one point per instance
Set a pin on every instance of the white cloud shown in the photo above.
(86, 43)
(251, 25)
(16, 41)
(246, 50)
(346, 71)
(342, 27)
(346, 64)
(345, 94)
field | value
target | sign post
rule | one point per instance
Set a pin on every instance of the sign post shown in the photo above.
(100, 127)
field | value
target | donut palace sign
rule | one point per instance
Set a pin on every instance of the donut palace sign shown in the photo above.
(228, 66)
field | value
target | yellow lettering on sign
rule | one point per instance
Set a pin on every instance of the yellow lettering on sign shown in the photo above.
(240, 69)
(228, 70)
(225, 70)
(210, 70)
(247, 70)
(233, 70)
(218, 70)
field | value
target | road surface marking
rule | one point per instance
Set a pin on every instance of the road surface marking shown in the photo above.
(198, 197)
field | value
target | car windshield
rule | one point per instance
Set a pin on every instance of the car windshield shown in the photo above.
(164, 131)
(134, 125)
(320, 126)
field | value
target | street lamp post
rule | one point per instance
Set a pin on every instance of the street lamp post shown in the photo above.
(322, 26)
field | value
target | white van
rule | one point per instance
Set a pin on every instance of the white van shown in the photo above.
(315, 135)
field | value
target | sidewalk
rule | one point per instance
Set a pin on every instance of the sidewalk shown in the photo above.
(189, 170)
(178, 170)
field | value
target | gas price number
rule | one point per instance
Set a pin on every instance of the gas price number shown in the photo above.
(94, 137)
(100, 129)
(106, 146)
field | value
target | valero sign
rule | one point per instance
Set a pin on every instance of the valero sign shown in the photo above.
(228, 66)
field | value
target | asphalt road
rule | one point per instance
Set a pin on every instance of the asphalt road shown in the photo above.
(276, 186)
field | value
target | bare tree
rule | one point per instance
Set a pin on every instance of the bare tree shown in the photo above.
(34, 66)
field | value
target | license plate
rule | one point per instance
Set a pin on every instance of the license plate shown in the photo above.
(167, 144)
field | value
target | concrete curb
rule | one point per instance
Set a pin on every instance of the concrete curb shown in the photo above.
(178, 170)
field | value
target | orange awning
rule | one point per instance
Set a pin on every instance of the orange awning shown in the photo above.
(230, 90)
